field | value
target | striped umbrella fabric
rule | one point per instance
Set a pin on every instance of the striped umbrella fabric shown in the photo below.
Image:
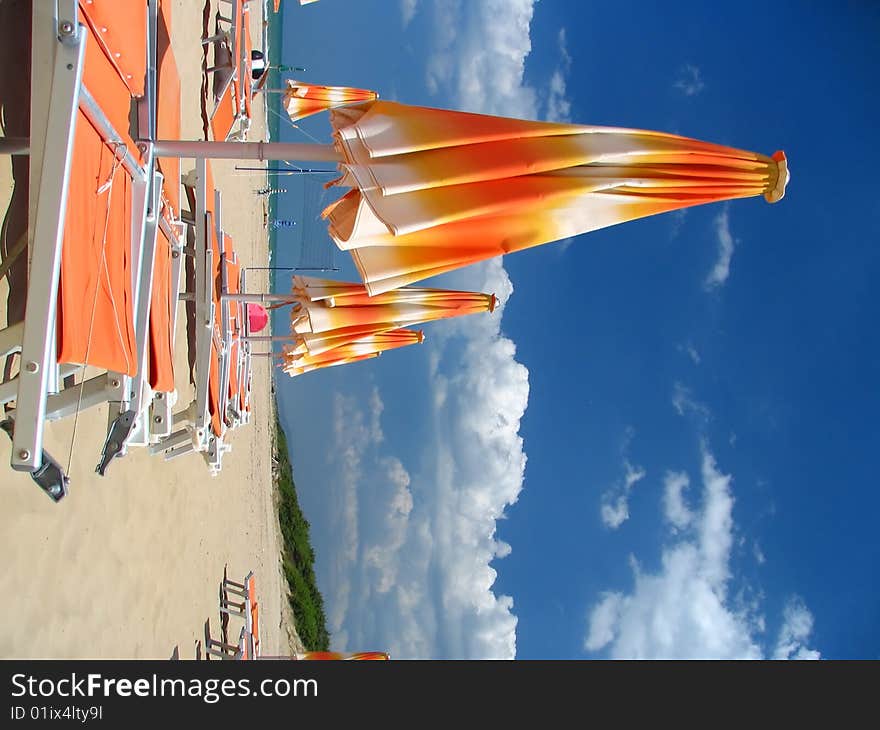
(351, 656)
(364, 348)
(302, 99)
(433, 190)
(329, 308)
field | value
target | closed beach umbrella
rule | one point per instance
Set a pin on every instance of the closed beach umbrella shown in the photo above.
(302, 100)
(360, 655)
(364, 348)
(434, 190)
(322, 309)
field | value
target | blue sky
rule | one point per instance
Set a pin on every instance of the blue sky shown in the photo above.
(663, 443)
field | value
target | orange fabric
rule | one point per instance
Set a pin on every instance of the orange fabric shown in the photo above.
(104, 83)
(217, 425)
(161, 314)
(434, 190)
(168, 106)
(255, 626)
(303, 99)
(95, 318)
(224, 115)
(351, 656)
(214, 393)
(233, 269)
(120, 29)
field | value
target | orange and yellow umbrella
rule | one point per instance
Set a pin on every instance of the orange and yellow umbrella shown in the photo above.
(360, 655)
(364, 348)
(340, 308)
(434, 190)
(337, 322)
(302, 100)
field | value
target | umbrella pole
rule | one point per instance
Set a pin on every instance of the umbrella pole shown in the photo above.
(287, 298)
(246, 150)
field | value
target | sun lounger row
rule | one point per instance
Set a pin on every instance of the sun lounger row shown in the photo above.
(107, 239)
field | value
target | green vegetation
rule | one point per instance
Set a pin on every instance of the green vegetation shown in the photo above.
(298, 556)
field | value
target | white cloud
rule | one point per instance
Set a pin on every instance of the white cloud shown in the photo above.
(563, 245)
(797, 625)
(477, 56)
(408, 11)
(615, 502)
(684, 402)
(426, 589)
(760, 558)
(726, 243)
(558, 104)
(604, 619)
(675, 509)
(678, 218)
(685, 609)
(690, 80)
(422, 581)
(354, 432)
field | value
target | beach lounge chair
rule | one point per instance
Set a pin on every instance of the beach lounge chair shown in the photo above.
(93, 69)
(231, 73)
(223, 650)
(244, 605)
(220, 350)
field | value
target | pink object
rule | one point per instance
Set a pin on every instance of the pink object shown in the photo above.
(258, 317)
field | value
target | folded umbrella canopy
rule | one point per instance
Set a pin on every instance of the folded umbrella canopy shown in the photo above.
(302, 100)
(434, 190)
(348, 656)
(332, 308)
(361, 349)
(337, 322)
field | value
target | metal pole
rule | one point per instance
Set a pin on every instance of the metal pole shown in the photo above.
(15, 146)
(268, 338)
(256, 298)
(246, 150)
(287, 170)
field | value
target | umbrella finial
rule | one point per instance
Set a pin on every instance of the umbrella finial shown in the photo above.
(777, 193)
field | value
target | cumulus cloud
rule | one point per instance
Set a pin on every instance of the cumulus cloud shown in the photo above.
(418, 575)
(424, 587)
(615, 502)
(477, 55)
(408, 11)
(674, 507)
(355, 430)
(797, 625)
(726, 243)
(690, 80)
(686, 609)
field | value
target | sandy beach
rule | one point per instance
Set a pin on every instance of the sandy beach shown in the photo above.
(128, 565)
